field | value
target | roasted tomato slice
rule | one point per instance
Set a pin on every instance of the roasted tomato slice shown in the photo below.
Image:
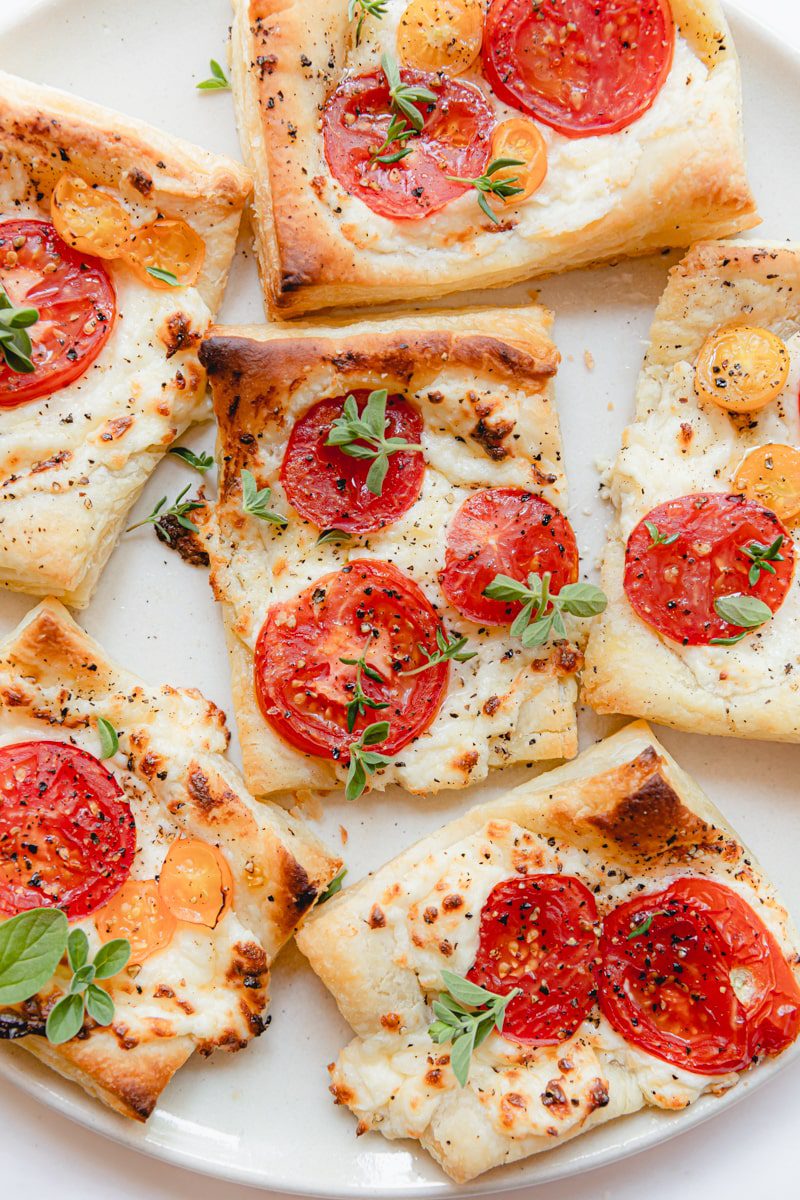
(583, 67)
(368, 609)
(195, 882)
(688, 553)
(67, 833)
(504, 531)
(455, 140)
(329, 487)
(538, 933)
(75, 300)
(692, 975)
(138, 913)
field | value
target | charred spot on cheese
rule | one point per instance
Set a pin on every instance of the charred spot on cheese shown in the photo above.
(141, 181)
(114, 429)
(341, 1094)
(466, 761)
(177, 334)
(391, 1020)
(492, 437)
(377, 918)
(598, 1094)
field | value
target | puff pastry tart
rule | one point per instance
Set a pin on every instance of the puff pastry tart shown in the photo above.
(115, 243)
(391, 550)
(703, 624)
(157, 849)
(596, 941)
(410, 148)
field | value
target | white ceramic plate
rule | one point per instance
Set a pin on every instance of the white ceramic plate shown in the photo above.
(264, 1116)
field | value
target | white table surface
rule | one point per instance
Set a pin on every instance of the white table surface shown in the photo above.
(750, 1151)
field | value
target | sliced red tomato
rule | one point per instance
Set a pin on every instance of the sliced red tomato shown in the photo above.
(584, 67)
(504, 531)
(329, 487)
(673, 584)
(67, 833)
(455, 140)
(691, 975)
(75, 299)
(538, 933)
(368, 609)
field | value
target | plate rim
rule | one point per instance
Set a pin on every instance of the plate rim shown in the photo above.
(60, 1095)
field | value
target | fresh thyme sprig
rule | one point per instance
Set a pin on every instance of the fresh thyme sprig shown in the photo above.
(361, 701)
(644, 927)
(366, 8)
(399, 131)
(363, 761)
(218, 81)
(746, 611)
(201, 462)
(446, 650)
(66, 1017)
(486, 185)
(255, 501)
(15, 342)
(542, 612)
(178, 510)
(406, 96)
(165, 276)
(465, 1015)
(349, 431)
(762, 557)
(657, 538)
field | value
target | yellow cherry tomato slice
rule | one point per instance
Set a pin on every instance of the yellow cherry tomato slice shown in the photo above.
(741, 368)
(522, 140)
(88, 219)
(166, 246)
(440, 35)
(137, 913)
(771, 475)
(195, 882)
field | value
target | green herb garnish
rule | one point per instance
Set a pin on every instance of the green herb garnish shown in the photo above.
(165, 276)
(15, 343)
(762, 557)
(363, 761)
(201, 462)
(109, 741)
(350, 431)
(218, 81)
(747, 611)
(84, 995)
(32, 945)
(657, 538)
(542, 612)
(399, 131)
(333, 887)
(486, 185)
(465, 1015)
(406, 96)
(366, 8)
(361, 700)
(255, 501)
(178, 510)
(644, 927)
(333, 535)
(446, 650)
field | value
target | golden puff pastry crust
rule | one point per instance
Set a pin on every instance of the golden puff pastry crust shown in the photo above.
(675, 175)
(482, 381)
(206, 988)
(679, 445)
(625, 819)
(72, 463)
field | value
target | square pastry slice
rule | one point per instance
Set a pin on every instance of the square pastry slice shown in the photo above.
(702, 630)
(406, 149)
(596, 941)
(408, 463)
(159, 844)
(115, 244)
